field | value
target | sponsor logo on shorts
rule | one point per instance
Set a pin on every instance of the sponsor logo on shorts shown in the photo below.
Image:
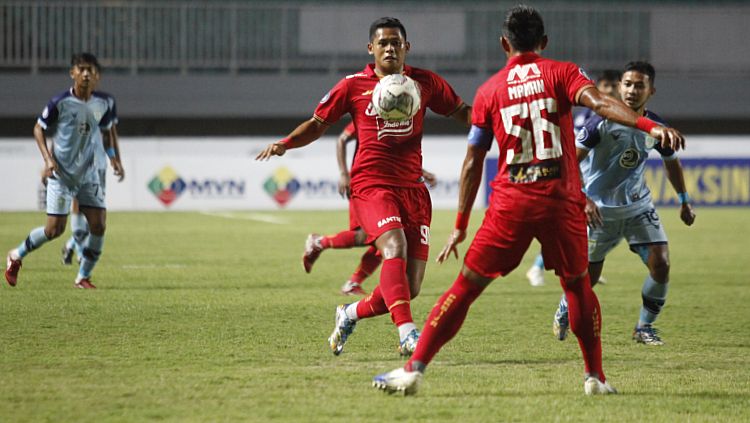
(387, 220)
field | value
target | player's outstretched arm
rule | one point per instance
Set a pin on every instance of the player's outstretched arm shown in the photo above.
(616, 111)
(49, 162)
(471, 178)
(307, 132)
(344, 177)
(677, 179)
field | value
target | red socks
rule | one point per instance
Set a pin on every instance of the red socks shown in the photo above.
(343, 239)
(395, 289)
(586, 322)
(445, 319)
(370, 261)
(373, 305)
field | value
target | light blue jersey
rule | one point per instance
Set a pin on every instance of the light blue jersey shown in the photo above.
(613, 172)
(75, 127)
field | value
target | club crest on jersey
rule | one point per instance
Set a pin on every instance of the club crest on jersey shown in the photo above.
(98, 115)
(651, 142)
(629, 158)
(520, 73)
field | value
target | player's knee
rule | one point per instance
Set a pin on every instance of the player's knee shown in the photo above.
(54, 231)
(659, 267)
(360, 237)
(98, 228)
(393, 245)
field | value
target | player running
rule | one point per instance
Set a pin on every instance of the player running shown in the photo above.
(618, 205)
(72, 118)
(389, 200)
(607, 83)
(355, 236)
(536, 194)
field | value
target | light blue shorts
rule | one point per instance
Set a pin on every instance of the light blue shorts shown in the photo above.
(60, 197)
(639, 231)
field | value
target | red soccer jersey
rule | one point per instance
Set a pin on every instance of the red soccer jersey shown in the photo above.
(528, 106)
(388, 153)
(349, 130)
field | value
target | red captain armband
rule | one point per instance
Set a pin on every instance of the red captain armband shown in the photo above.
(462, 221)
(645, 124)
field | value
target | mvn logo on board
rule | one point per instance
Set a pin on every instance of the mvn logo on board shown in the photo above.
(282, 186)
(167, 185)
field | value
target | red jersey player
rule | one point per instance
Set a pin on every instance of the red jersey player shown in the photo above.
(315, 244)
(389, 200)
(536, 194)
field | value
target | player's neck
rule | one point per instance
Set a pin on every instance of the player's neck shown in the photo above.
(82, 93)
(381, 72)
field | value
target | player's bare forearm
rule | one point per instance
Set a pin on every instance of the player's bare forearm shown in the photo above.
(677, 180)
(471, 178)
(463, 114)
(307, 132)
(674, 174)
(616, 111)
(341, 142)
(41, 142)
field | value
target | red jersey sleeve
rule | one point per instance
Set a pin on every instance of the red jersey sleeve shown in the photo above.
(575, 79)
(334, 104)
(480, 111)
(444, 99)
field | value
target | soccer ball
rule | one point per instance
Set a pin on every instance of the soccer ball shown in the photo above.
(396, 98)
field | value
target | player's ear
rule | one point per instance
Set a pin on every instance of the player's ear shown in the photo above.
(544, 42)
(407, 46)
(71, 73)
(505, 44)
(369, 49)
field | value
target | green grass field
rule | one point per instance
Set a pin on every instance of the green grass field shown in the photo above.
(211, 318)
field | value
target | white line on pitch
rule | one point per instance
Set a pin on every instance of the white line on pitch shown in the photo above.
(258, 217)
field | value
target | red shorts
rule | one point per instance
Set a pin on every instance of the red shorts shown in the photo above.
(353, 222)
(383, 208)
(500, 244)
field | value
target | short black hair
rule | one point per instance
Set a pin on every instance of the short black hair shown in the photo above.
(387, 22)
(523, 28)
(84, 57)
(643, 67)
(609, 75)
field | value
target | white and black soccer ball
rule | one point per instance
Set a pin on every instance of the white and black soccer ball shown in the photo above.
(396, 98)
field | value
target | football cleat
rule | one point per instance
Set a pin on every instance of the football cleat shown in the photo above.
(594, 386)
(84, 283)
(352, 288)
(398, 380)
(560, 322)
(11, 270)
(535, 275)
(647, 335)
(344, 327)
(67, 255)
(409, 344)
(312, 251)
